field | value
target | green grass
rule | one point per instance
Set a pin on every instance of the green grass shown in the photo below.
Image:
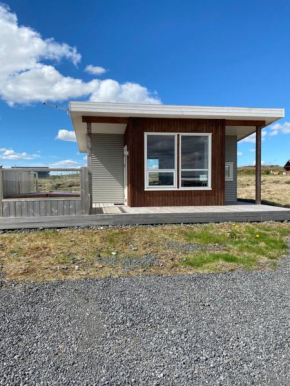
(177, 248)
(198, 261)
(204, 236)
(244, 245)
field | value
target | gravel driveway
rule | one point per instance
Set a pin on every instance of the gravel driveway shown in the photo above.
(216, 329)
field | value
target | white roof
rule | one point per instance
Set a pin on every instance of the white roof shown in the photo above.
(126, 110)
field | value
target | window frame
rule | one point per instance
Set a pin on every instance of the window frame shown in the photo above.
(231, 176)
(208, 170)
(147, 171)
(177, 161)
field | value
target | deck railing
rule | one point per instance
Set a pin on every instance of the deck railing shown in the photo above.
(29, 207)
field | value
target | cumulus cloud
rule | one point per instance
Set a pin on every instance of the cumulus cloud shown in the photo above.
(111, 91)
(67, 163)
(283, 128)
(95, 70)
(66, 135)
(252, 138)
(10, 154)
(25, 78)
(252, 150)
(239, 153)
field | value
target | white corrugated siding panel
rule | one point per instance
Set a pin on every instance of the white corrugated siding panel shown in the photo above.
(108, 168)
(231, 156)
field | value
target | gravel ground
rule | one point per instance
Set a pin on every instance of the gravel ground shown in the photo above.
(216, 329)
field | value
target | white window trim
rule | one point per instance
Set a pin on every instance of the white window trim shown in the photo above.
(209, 135)
(231, 177)
(146, 171)
(161, 188)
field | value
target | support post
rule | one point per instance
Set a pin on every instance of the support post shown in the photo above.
(85, 192)
(1, 191)
(89, 158)
(258, 164)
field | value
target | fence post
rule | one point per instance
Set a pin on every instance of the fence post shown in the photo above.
(85, 191)
(1, 191)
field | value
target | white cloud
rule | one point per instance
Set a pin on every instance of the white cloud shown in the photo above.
(95, 70)
(67, 163)
(111, 91)
(262, 162)
(252, 150)
(10, 154)
(283, 128)
(239, 153)
(85, 158)
(66, 135)
(252, 138)
(25, 78)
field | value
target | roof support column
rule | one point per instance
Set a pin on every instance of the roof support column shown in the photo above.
(258, 163)
(89, 162)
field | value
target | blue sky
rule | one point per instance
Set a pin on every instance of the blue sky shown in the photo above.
(220, 53)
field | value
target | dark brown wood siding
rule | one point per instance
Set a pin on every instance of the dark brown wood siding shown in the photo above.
(134, 139)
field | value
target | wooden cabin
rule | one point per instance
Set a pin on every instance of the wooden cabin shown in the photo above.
(166, 155)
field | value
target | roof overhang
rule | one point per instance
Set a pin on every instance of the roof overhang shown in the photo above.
(241, 121)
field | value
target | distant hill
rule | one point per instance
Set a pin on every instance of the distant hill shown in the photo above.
(266, 169)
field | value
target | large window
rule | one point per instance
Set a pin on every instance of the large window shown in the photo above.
(160, 152)
(162, 158)
(194, 159)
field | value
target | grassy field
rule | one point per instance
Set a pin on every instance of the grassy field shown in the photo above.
(163, 250)
(275, 188)
(66, 182)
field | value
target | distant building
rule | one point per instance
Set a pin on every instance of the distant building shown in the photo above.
(44, 173)
(287, 166)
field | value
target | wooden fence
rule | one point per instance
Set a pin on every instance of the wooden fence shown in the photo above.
(18, 182)
(48, 206)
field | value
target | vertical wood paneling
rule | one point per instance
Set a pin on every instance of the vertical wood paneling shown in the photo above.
(36, 208)
(24, 209)
(66, 208)
(32, 208)
(16, 182)
(54, 208)
(60, 207)
(5, 210)
(134, 139)
(42, 208)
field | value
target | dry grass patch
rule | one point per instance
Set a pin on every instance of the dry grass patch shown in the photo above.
(57, 182)
(275, 189)
(72, 254)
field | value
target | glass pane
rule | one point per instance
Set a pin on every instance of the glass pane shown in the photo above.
(160, 179)
(194, 179)
(160, 152)
(228, 171)
(194, 152)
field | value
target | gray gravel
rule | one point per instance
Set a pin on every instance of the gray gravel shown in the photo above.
(129, 263)
(217, 329)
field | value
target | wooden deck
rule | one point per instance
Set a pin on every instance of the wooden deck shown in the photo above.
(122, 215)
